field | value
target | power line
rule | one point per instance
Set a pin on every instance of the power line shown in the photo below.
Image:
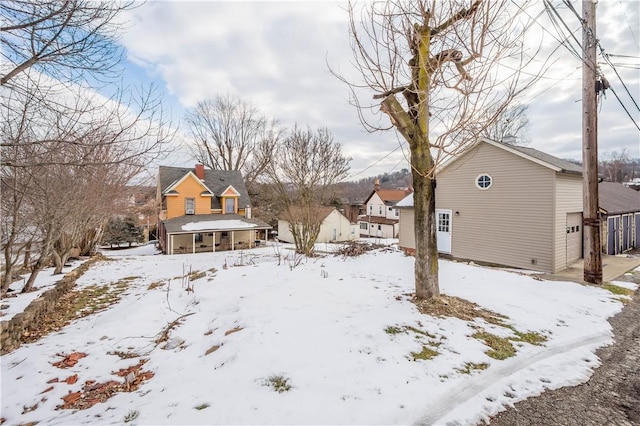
(629, 26)
(619, 77)
(607, 60)
(378, 161)
(550, 8)
(623, 56)
(624, 108)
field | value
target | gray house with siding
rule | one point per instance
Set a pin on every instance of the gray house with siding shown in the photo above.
(620, 217)
(505, 205)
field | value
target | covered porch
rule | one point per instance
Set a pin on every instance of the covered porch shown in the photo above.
(212, 233)
(200, 242)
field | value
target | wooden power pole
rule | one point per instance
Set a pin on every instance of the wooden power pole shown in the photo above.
(591, 229)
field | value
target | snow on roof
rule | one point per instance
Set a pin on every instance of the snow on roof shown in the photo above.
(406, 201)
(217, 224)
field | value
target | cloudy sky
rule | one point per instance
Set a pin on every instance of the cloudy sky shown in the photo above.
(275, 55)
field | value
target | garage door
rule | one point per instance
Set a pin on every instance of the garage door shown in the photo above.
(613, 235)
(574, 237)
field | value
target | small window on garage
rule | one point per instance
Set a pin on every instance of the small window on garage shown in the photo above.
(484, 181)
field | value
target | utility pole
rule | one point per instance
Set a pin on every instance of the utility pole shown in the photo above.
(591, 229)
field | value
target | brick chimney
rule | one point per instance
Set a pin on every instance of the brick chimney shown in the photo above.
(200, 171)
(376, 185)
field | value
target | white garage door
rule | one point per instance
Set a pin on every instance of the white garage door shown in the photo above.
(574, 237)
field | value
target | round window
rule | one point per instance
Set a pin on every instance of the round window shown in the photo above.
(484, 181)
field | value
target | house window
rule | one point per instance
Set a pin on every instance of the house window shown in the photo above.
(230, 206)
(484, 181)
(380, 210)
(198, 237)
(364, 225)
(370, 209)
(190, 205)
(443, 222)
(396, 213)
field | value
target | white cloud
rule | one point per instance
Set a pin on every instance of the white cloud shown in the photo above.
(275, 55)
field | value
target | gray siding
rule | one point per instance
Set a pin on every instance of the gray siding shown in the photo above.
(512, 222)
(568, 197)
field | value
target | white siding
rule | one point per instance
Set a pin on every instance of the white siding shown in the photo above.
(375, 205)
(407, 236)
(338, 222)
(344, 230)
(284, 234)
(568, 199)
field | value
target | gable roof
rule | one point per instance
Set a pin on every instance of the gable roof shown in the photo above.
(406, 201)
(216, 181)
(171, 188)
(389, 196)
(615, 198)
(323, 212)
(531, 154)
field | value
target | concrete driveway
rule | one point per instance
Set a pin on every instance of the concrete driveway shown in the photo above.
(612, 268)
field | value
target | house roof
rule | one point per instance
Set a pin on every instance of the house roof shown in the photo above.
(215, 180)
(212, 223)
(615, 198)
(323, 212)
(389, 196)
(531, 154)
(406, 201)
(377, 220)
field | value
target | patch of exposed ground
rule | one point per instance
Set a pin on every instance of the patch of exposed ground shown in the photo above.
(78, 304)
(451, 306)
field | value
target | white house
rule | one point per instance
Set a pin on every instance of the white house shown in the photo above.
(381, 216)
(335, 228)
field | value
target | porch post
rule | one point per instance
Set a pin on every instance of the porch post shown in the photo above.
(170, 244)
(193, 243)
(213, 241)
(233, 245)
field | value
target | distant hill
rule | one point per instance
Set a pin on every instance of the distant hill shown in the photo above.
(357, 191)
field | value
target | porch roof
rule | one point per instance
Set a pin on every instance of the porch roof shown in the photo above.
(189, 224)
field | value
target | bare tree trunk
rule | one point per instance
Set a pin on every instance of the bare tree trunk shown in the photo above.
(27, 255)
(35, 270)
(45, 251)
(426, 264)
(7, 279)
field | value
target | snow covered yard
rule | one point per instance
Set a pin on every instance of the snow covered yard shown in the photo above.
(334, 340)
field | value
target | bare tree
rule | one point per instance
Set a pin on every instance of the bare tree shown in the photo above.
(65, 148)
(615, 167)
(231, 134)
(61, 170)
(304, 172)
(55, 53)
(511, 127)
(445, 58)
(67, 40)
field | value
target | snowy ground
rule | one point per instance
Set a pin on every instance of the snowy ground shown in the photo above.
(333, 328)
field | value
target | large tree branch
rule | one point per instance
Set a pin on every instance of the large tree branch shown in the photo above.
(462, 14)
(400, 119)
(391, 92)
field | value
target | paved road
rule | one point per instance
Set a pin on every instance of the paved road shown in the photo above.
(610, 397)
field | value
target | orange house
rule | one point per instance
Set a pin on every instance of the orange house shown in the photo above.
(205, 211)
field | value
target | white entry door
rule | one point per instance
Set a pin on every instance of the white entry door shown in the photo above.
(574, 237)
(443, 230)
